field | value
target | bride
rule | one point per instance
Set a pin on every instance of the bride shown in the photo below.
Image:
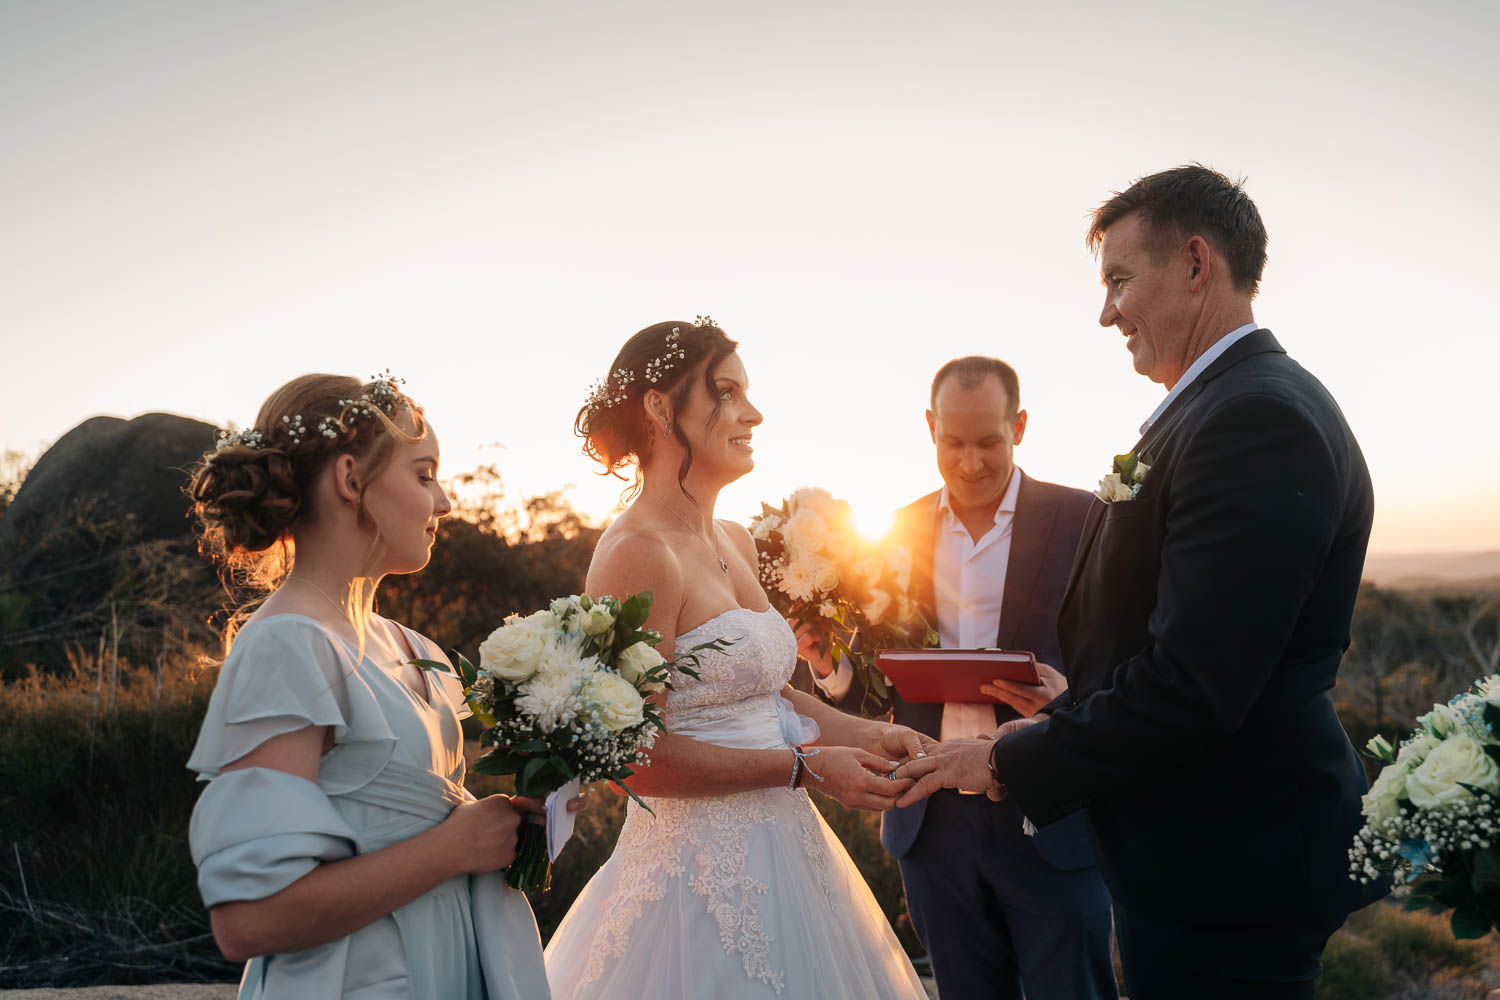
(735, 887)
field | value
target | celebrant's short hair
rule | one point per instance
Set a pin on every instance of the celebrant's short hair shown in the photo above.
(1178, 204)
(970, 373)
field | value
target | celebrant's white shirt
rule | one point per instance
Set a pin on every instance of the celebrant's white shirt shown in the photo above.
(968, 579)
(1195, 369)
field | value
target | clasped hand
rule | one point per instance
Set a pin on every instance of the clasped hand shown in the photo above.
(962, 764)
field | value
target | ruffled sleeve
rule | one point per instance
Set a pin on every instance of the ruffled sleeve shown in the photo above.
(255, 831)
(285, 673)
(444, 684)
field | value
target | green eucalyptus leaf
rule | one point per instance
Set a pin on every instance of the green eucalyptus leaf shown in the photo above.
(466, 670)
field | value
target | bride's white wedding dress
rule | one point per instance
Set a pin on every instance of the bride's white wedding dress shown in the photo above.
(730, 896)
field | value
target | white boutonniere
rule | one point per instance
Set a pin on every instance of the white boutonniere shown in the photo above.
(1124, 482)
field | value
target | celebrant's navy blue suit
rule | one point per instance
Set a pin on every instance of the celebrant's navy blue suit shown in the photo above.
(988, 901)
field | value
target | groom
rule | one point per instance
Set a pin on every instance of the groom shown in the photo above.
(998, 911)
(1202, 627)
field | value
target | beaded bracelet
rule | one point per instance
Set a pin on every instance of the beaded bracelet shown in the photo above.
(799, 764)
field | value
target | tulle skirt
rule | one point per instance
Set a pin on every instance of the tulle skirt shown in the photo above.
(746, 895)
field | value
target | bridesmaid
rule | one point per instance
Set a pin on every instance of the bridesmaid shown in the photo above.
(337, 849)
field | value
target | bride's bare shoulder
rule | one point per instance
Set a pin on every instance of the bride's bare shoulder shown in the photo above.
(630, 558)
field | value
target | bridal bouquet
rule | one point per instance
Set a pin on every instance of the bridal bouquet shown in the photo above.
(562, 695)
(1433, 814)
(820, 574)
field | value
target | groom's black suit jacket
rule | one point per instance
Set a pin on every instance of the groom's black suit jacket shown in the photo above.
(1201, 632)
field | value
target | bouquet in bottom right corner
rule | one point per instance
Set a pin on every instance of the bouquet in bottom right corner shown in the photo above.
(1432, 817)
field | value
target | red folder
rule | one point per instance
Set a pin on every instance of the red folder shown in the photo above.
(932, 675)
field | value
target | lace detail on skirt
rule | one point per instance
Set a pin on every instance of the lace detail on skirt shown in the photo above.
(717, 831)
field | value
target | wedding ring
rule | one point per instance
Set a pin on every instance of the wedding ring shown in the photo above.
(921, 754)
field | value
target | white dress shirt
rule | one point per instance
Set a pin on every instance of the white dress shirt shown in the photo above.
(968, 578)
(1207, 358)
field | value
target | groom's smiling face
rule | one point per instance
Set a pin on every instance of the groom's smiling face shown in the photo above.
(1144, 299)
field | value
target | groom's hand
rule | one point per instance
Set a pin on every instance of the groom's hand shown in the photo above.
(960, 764)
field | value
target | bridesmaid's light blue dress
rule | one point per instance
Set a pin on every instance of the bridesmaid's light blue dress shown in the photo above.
(396, 769)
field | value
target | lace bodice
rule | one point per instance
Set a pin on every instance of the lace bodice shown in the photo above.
(744, 680)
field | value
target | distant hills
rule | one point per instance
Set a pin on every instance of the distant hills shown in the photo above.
(1465, 571)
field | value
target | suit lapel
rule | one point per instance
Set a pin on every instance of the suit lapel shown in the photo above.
(923, 543)
(1258, 341)
(1030, 530)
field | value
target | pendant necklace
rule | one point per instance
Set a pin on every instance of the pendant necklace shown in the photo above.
(687, 524)
(343, 612)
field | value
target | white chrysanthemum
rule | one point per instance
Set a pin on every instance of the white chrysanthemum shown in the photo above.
(797, 580)
(551, 697)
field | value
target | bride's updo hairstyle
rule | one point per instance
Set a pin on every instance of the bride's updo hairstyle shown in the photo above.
(255, 487)
(669, 357)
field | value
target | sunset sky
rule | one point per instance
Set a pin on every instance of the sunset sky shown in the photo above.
(202, 200)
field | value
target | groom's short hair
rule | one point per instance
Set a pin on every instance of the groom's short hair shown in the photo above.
(973, 370)
(1188, 201)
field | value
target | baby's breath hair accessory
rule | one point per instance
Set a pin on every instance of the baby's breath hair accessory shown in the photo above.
(294, 428)
(251, 438)
(384, 393)
(612, 391)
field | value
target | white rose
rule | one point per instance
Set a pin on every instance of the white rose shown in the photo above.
(1379, 803)
(618, 703)
(1435, 782)
(876, 606)
(637, 660)
(596, 620)
(563, 605)
(828, 609)
(805, 533)
(513, 652)
(825, 575)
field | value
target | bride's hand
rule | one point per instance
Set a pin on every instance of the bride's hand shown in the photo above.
(898, 743)
(854, 778)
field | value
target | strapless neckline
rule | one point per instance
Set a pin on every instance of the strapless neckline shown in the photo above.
(770, 608)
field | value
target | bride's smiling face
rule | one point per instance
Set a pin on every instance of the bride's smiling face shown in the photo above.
(718, 426)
